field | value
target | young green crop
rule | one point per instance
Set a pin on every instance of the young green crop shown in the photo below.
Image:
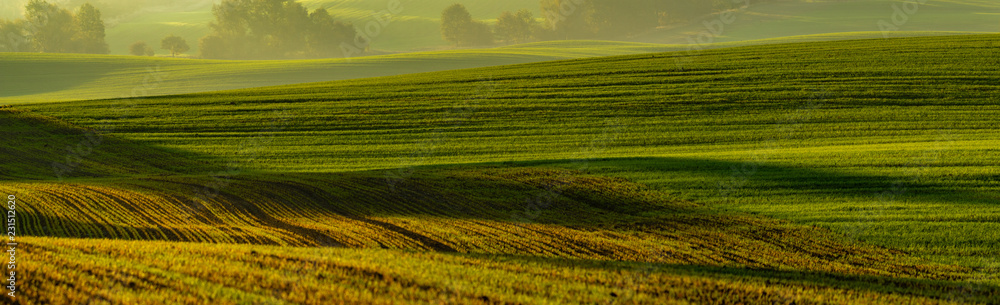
(142, 272)
(837, 122)
(887, 142)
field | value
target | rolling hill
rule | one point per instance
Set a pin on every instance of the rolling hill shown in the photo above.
(630, 242)
(859, 171)
(32, 78)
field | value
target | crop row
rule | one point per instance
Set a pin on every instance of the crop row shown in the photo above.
(187, 273)
(586, 217)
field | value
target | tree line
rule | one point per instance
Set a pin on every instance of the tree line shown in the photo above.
(50, 28)
(578, 19)
(264, 29)
(258, 29)
(242, 29)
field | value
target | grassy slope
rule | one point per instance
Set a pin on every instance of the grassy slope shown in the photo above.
(185, 273)
(64, 77)
(32, 144)
(908, 117)
(61, 77)
(178, 273)
(599, 239)
(849, 142)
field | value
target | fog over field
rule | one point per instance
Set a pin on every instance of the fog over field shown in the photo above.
(416, 25)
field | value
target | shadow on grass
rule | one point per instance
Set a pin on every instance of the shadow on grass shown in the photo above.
(642, 273)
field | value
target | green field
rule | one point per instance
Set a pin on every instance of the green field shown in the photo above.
(861, 171)
(33, 77)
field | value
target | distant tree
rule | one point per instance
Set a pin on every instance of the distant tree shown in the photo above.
(515, 28)
(140, 48)
(279, 25)
(569, 19)
(478, 34)
(89, 36)
(612, 19)
(273, 29)
(213, 46)
(581, 19)
(325, 34)
(14, 36)
(175, 44)
(458, 27)
(455, 21)
(51, 28)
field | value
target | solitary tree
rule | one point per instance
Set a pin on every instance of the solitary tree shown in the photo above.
(212, 46)
(454, 21)
(51, 28)
(325, 34)
(14, 37)
(140, 48)
(478, 34)
(90, 34)
(515, 28)
(175, 44)
(458, 27)
(245, 29)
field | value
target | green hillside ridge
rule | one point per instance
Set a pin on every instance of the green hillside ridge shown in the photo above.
(595, 226)
(34, 78)
(858, 171)
(172, 272)
(865, 111)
